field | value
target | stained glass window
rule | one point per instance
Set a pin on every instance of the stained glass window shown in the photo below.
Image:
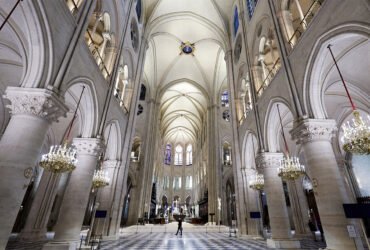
(178, 155)
(167, 155)
(225, 99)
(138, 9)
(251, 5)
(189, 155)
(236, 21)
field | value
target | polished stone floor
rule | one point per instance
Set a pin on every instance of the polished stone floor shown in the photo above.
(169, 241)
(193, 241)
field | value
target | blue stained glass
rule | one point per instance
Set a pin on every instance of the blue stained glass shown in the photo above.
(187, 49)
(236, 21)
(138, 9)
(167, 156)
(251, 5)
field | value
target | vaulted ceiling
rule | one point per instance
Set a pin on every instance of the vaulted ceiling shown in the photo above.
(185, 84)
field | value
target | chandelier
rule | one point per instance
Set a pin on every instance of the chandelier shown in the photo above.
(258, 182)
(62, 158)
(290, 167)
(356, 134)
(100, 179)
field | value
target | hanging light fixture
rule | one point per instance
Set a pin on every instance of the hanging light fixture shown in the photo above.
(100, 178)
(62, 158)
(258, 182)
(290, 167)
(356, 133)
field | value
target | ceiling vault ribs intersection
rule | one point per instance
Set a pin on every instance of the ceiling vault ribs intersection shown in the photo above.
(185, 84)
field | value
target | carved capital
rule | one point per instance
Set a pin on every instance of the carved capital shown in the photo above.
(110, 164)
(308, 130)
(42, 103)
(88, 146)
(267, 160)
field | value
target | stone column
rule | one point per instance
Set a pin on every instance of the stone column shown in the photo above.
(32, 112)
(315, 137)
(254, 225)
(299, 205)
(106, 201)
(278, 214)
(68, 227)
(38, 217)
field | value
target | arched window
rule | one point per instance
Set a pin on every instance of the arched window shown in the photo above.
(226, 115)
(98, 38)
(73, 5)
(189, 182)
(227, 153)
(167, 155)
(138, 9)
(122, 91)
(225, 99)
(189, 155)
(178, 155)
(140, 109)
(251, 5)
(176, 183)
(142, 92)
(246, 96)
(236, 21)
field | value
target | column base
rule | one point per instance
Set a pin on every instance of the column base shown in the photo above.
(33, 235)
(283, 243)
(54, 245)
(111, 237)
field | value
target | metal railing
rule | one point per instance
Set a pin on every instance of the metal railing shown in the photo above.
(271, 74)
(312, 10)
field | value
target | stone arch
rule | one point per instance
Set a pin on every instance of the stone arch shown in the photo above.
(88, 112)
(112, 137)
(314, 86)
(272, 129)
(249, 150)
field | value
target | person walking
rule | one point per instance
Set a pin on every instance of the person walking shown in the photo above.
(179, 227)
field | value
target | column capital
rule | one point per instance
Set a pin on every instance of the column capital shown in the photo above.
(42, 103)
(267, 160)
(88, 146)
(110, 164)
(308, 130)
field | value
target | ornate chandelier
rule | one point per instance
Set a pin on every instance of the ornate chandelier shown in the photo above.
(356, 134)
(258, 182)
(100, 179)
(62, 158)
(290, 167)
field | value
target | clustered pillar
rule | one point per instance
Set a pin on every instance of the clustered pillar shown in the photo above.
(68, 227)
(32, 112)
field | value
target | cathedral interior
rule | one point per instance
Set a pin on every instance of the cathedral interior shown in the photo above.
(244, 124)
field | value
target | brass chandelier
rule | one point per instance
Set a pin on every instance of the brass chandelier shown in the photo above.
(100, 179)
(62, 158)
(356, 133)
(290, 167)
(258, 182)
